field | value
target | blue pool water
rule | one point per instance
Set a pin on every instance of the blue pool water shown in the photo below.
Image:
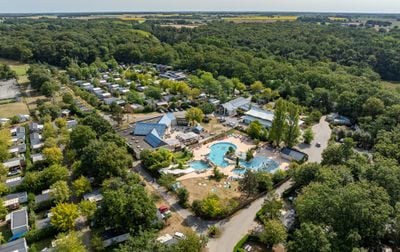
(199, 165)
(217, 153)
(258, 163)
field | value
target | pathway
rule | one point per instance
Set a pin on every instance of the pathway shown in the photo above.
(234, 228)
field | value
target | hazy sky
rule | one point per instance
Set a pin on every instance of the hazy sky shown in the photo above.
(12, 6)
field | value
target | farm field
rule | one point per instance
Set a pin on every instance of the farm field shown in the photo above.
(12, 109)
(260, 19)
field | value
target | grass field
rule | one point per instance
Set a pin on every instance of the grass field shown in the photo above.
(13, 109)
(260, 19)
(341, 19)
(19, 68)
(391, 85)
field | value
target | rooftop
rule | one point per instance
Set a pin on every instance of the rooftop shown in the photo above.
(19, 218)
(15, 246)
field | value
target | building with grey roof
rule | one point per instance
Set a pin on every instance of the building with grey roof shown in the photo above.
(19, 222)
(230, 108)
(15, 246)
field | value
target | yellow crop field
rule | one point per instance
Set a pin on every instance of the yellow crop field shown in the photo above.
(260, 18)
(140, 19)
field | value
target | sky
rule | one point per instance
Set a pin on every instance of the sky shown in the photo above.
(40, 6)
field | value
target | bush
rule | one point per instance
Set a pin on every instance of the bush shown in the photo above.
(36, 235)
(167, 180)
(279, 176)
(214, 231)
(217, 175)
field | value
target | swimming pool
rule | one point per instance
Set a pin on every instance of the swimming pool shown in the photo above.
(199, 165)
(257, 163)
(217, 153)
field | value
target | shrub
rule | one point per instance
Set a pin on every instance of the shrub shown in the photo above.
(183, 197)
(36, 235)
(214, 231)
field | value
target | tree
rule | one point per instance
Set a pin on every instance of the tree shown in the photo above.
(126, 206)
(64, 216)
(308, 136)
(191, 243)
(88, 209)
(48, 130)
(53, 155)
(373, 106)
(274, 233)
(271, 209)
(69, 242)
(80, 137)
(340, 208)
(248, 183)
(117, 112)
(97, 123)
(292, 131)
(5, 141)
(145, 242)
(306, 173)
(60, 191)
(249, 155)
(183, 197)
(279, 124)
(257, 131)
(68, 98)
(310, 237)
(3, 210)
(154, 160)
(207, 108)
(103, 160)
(256, 87)
(194, 115)
(81, 186)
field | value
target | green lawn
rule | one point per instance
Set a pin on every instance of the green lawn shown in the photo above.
(19, 68)
(391, 85)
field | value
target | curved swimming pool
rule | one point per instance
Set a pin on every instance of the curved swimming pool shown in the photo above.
(199, 165)
(258, 163)
(218, 151)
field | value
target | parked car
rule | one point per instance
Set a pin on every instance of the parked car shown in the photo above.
(318, 144)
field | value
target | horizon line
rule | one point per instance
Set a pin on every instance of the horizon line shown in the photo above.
(196, 11)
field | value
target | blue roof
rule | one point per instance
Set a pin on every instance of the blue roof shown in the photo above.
(154, 139)
(165, 120)
(143, 129)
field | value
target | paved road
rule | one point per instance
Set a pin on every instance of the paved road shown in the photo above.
(240, 224)
(322, 134)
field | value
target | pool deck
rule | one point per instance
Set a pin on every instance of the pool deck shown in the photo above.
(243, 144)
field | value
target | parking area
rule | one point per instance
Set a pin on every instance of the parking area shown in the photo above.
(9, 89)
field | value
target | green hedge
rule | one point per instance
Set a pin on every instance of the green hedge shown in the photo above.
(239, 246)
(36, 235)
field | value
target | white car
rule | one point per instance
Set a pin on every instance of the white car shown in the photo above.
(179, 236)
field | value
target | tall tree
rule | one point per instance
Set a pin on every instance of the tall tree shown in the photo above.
(292, 131)
(311, 238)
(279, 124)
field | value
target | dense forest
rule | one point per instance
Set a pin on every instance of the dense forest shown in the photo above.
(350, 201)
(323, 67)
